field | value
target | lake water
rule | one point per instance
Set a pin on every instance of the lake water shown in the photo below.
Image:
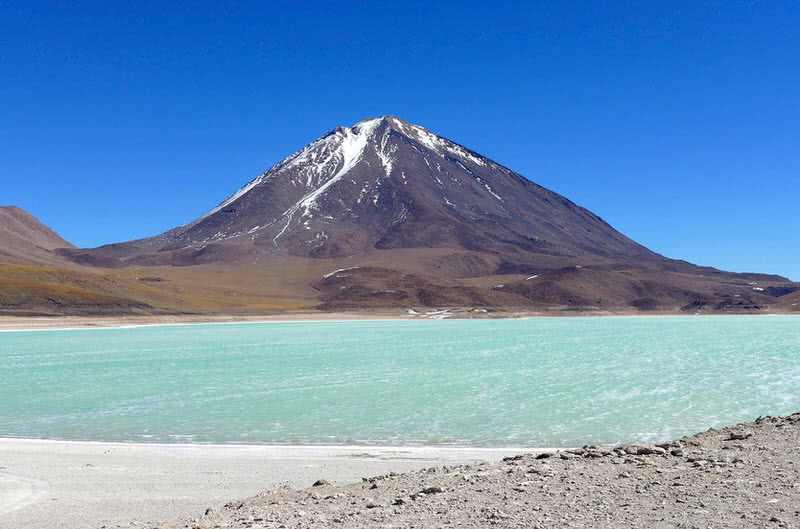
(538, 382)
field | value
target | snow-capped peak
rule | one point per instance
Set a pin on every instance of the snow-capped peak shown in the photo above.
(354, 142)
(385, 183)
(326, 161)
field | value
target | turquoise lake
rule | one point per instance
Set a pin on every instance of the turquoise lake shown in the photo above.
(524, 383)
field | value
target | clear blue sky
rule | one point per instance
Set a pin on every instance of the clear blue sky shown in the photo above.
(677, 122)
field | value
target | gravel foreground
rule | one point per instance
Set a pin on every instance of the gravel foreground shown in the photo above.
(747, 475)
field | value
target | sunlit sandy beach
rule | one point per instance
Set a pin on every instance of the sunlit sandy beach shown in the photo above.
(59, 484)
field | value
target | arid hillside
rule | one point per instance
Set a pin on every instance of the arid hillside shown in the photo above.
(25, 240)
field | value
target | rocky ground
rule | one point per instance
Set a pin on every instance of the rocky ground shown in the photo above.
(746, 475)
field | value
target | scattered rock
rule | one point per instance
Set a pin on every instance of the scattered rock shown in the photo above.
(432, 490)
(708, 482)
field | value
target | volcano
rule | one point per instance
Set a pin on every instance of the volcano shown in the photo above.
(415, 218)
(381, 184)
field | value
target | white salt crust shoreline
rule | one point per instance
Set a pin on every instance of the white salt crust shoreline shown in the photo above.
(66, 323)
(47, 484)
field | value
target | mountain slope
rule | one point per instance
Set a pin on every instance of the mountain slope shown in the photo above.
(25, 240)
(791, 301)
(383, 184)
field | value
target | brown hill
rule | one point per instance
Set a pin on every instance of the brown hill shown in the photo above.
(35, 280)
(791, 302)
(25, 240)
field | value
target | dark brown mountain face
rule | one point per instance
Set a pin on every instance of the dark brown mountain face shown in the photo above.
(384, 184)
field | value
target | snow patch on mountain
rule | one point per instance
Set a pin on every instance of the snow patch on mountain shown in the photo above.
(331, 274)
(437, 144)
(385, 151)
(489, 189)
(350, 150)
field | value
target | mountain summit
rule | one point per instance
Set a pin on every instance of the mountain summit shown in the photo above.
(386, 183)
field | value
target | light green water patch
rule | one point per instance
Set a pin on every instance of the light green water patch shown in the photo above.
(536, 382)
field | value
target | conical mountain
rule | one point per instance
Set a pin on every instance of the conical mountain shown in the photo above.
(386, 213)
(385, 183)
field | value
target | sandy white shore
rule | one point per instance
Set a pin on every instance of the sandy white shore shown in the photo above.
(71, 485)
(55, 323)
(24, 323)
(742, 476)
